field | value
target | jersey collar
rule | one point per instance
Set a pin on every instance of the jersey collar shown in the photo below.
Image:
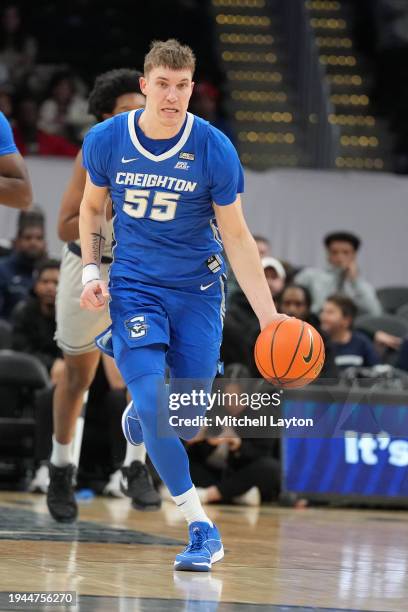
(167, 154)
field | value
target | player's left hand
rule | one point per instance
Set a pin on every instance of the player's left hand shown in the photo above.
(94, 296)
(278, 316)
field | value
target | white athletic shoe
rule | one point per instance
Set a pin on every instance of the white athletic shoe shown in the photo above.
(112, 487)
(41, 480)
(251, 498)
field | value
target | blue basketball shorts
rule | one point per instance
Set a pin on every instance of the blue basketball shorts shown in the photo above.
(187, 321)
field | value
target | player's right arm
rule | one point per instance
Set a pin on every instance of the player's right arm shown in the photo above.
(96, 156)
(15, 186)
(92, 231)
(68, 218)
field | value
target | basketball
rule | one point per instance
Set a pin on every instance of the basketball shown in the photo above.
(289, 353)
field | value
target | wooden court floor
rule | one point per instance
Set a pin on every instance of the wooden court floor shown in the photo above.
(118, 559)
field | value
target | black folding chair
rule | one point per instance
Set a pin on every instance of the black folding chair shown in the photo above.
(392, 298)
(5, 334)
(21, 376)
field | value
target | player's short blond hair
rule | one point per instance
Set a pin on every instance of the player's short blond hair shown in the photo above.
(170, 54)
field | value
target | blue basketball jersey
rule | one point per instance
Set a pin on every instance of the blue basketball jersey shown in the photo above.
(7, 144)
(164, 226)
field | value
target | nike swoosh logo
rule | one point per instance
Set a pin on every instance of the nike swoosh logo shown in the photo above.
(204, 287)
(206, 564)
(309, 356)
(126, 161)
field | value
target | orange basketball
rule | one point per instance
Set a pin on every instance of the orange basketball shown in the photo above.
(289, 353)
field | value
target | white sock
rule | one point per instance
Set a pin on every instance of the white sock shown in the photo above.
(61, 455)
(190, 505)
(134, 453)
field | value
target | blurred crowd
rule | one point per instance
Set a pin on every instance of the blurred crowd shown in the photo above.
(46, 101)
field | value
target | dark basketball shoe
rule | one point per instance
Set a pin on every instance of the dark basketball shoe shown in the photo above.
(60, 496)
(137, 484)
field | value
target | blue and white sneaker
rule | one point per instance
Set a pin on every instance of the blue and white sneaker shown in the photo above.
(204, 549)
(132, 430)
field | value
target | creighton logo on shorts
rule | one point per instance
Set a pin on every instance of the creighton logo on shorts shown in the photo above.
(136, 326)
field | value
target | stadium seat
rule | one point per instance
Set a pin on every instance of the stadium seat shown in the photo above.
(21, 375)
(392, 324)
(392, 298)
(5, 334)
(402, 312)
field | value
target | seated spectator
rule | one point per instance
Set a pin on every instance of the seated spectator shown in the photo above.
(32, 141)
(341, 276)
(275, 274)
(296, 301)
(65, 112)
(6, 104)
(241, 325)
(234, 465)
(16, 270)
(34, 320)
(402, 359)
(263, 244)
(18, 48)
(351, 348)
(205, 103)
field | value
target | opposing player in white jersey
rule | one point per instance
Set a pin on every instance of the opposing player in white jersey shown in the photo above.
(173, 178)
(115, 92)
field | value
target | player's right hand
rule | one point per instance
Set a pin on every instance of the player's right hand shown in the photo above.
(95, 295)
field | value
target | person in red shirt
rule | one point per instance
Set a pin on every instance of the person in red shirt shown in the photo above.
(32, 141)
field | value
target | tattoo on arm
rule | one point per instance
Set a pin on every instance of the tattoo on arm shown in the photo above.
(98, 242)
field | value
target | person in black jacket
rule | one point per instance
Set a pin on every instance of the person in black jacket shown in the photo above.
(296, 301)
(241, 326)
(16, 270)
(34, 320)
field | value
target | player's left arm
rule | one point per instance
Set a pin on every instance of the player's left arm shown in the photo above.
(243, 256)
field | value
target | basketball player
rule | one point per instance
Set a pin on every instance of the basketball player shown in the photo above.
(15, 186)
(168, 173)
(114, 92)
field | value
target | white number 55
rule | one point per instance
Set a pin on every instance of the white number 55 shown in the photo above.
(163, 207)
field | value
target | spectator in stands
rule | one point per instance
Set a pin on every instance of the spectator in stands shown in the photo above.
(275, 275)
(341, 276)
(402, 359)
(34, 320)
(6, 104)
(263, 244)
(296, 301)
(16, 270)
(264, 247)
(241, 325)
(351, 348)
(17, 48)
(30, 140)
(65, 111)
(233, 464)
(205, 104)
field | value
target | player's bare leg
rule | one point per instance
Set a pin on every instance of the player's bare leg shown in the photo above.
(68, 401)
(69, 394)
